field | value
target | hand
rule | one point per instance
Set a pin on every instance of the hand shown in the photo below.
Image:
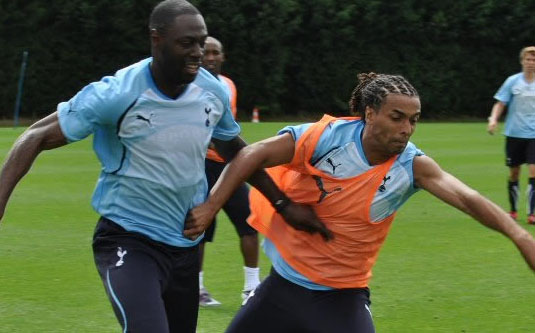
(198, 220)
(303, 217)
(491, 127)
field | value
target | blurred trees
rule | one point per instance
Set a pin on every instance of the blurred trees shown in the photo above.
(287, 56)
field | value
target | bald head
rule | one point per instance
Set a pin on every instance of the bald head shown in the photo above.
(164, 13)
(213, 55)
(215, 41)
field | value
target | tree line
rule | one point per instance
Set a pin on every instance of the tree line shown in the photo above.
(289, 57)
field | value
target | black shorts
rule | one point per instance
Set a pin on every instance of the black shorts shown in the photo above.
(153, 287)
(519, 151)
(281, 306)
(236, 208)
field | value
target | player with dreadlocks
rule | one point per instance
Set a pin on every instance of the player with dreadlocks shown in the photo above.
(355, 172)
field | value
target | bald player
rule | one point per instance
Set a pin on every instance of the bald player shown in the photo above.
(237, 207)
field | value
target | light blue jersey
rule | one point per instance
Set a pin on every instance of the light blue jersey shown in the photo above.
(339, 153)
(519, 96)
(151, 147)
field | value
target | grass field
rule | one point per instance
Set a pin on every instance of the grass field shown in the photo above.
(439, 271)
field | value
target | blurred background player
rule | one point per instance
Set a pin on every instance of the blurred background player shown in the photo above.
(517, 93)
(237, 207)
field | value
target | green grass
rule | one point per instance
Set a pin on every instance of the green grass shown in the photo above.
(439, 271)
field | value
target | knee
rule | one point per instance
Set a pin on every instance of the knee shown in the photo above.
(514, 173)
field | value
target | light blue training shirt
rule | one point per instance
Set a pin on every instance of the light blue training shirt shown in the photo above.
(519, 96)
(151, 147)
(339, 153)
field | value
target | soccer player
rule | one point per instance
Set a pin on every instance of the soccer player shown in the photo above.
(151, 124)
(237, 206)
(356, 173)
(517, 94)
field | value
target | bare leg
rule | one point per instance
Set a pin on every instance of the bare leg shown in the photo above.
(531, 194)
(201, 255)
(249, 250)
(513, 190)
(514, 173)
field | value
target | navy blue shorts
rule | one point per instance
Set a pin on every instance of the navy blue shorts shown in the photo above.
(519, 151)
(281, 306)
(236, 208)
(153, 287)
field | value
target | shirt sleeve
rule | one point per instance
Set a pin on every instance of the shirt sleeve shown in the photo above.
(328, 140)
(88, 109)
(295, 131)
(298, 160)
(227, 128)
(504, 94)
(406, 159)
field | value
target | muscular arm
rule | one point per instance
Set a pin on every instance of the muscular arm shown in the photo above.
(247, 165)
(429, 176)
(44, 134)
(495, 114)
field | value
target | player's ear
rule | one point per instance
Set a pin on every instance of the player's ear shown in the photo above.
(155, 37)
(369, 113)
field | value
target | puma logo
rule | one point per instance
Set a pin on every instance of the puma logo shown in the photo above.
(324, 193)
(332, 164)
(140, 117)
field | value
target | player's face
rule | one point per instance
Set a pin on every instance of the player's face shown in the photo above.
(213, 56)
(392, 126)
(179, 50)
(528, 62)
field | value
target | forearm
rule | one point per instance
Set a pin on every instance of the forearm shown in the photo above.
(496, 112)
(487, 213)
(19, 160)
(492, 216)
(265, 184)
(429, 176)
(246, 166)
(44, 134)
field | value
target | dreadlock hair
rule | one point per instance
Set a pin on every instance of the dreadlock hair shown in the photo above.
(373, 88)
(166, 11)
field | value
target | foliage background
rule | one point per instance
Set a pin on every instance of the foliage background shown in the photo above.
(290, 57)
